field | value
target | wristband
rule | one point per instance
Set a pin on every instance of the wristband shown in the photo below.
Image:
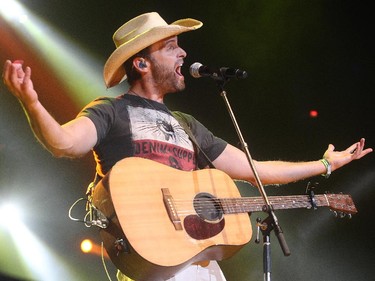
(328, 168)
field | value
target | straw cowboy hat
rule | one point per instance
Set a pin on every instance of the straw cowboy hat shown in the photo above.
(137, 34)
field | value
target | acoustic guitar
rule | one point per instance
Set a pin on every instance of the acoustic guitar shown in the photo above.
(162, 220)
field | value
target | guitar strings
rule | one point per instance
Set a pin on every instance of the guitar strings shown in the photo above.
(242, 205)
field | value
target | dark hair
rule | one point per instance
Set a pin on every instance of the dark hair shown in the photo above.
(131, 73)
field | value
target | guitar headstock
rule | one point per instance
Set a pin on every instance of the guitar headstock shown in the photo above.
(341, 203)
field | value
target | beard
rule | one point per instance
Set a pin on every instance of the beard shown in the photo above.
(166, 78)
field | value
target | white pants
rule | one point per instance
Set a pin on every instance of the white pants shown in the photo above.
(212, 272)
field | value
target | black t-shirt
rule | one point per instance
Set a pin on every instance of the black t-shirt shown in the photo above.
(130, 126)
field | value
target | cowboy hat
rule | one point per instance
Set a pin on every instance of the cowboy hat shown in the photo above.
(137, 34)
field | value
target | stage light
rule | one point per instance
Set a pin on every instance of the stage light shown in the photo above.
(12, 10)
(10, 215)
(39, 261)
(86, 246)
(313, 113)
(89, 247)
(75, 67)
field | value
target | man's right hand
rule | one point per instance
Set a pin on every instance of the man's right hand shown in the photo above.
(19, 82)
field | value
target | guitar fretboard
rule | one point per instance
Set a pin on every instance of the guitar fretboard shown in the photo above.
(256, 204)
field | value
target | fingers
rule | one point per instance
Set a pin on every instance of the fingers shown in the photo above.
(341, 158)
(357, 150)
(362, 143)
(11, 66)
(364, 153)
(18, 62)
(18, 70)
(13, 74)
(14, 77)
(360, 146)
(27, 76)
(353, 148)
(6, 70)
(331, 147)
(361, 151)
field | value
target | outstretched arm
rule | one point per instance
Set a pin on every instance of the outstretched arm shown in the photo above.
(72, 139)
(234, 162)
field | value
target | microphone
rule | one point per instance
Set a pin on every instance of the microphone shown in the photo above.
(198, 70)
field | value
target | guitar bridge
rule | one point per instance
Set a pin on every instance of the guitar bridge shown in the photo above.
(171, 209)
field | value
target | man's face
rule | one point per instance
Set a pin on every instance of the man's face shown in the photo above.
(166, 60)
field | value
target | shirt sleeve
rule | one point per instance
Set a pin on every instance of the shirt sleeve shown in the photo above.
(211, 145)
(102, 113)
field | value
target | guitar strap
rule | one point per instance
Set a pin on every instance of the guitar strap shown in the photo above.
(202, 158)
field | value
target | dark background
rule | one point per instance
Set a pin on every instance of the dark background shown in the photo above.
(300, 55)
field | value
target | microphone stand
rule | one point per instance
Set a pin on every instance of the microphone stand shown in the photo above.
(271, 222)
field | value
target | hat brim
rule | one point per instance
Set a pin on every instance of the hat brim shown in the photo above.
(114, 72)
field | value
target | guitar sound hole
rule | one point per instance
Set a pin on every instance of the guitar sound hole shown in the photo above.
(208, 207)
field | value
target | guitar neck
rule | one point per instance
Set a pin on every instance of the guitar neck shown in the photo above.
(256, 204)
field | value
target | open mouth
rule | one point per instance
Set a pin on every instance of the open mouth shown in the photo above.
(178, 70)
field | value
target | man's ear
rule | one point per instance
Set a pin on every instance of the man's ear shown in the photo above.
(140, 63)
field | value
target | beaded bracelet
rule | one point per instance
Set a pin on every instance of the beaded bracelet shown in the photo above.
(328, 168)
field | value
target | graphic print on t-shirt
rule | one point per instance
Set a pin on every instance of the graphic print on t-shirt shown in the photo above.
(158, 136)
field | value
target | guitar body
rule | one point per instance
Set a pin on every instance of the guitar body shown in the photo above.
(141, 239)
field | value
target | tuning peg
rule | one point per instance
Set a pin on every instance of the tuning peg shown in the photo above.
(335, 213)
(342, 215)
(349, 216)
